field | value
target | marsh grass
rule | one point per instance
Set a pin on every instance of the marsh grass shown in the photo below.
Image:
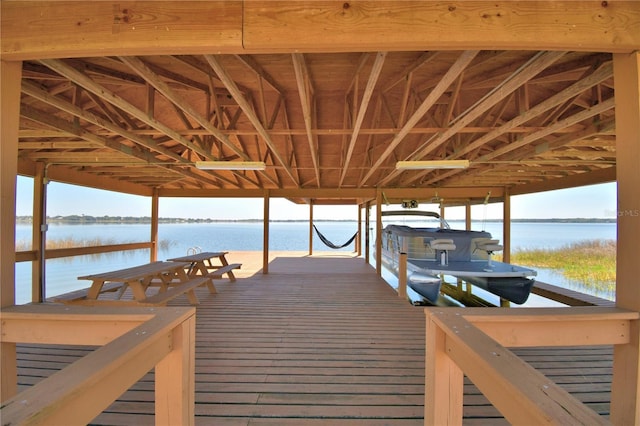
(70, 242)
(591, 263)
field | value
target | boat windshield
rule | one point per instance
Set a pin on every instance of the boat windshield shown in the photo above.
(414, 219)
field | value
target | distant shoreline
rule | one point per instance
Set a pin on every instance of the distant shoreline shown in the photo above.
(87, 220)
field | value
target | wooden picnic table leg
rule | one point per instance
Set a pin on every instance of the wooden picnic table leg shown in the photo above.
(223, 260)
(94, 290)
(182, 276)
(138, 288)
(202, 267)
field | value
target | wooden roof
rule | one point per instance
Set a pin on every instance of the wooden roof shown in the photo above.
(330, 120)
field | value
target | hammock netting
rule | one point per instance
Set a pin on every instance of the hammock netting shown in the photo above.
(332, 245)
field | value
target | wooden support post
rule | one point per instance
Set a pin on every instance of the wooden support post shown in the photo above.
(402, 275)
(506, 227)
(378, 233)
(310, 227)
(38, 239)
(359, 237)
(265, 234)
(175, 378)
(467, 216)
(625, 388)
(367, 224)
(443, 390)
(10, 75)
(154, 226)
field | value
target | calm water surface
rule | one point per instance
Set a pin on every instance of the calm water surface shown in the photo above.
(176, 239)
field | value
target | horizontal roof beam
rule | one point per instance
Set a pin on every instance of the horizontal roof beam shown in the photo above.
(65, 29)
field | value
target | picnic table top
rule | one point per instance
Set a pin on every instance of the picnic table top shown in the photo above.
(135, 272)
(198, 257)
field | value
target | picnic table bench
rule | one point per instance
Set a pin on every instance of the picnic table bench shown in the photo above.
(202, 265)
(171, 277)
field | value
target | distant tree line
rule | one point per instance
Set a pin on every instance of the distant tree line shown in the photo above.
(88, 219)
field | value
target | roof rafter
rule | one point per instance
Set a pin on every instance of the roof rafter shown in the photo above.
(454, 71)
(88, 84)
(305, 91)
(364, 105)
(137, 65)
(538, 63)
(248, 111)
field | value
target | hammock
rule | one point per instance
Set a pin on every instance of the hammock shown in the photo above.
(332, 245)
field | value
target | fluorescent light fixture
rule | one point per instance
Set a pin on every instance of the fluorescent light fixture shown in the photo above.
(432, 164)
(230, 165)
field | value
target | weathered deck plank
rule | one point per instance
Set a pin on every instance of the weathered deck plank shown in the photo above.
(317, 341)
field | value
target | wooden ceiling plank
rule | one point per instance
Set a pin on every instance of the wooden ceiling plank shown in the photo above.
(303, 83)
(362, 110)
(248, 111)
(454, 71)
(259, 71)
(424, 59)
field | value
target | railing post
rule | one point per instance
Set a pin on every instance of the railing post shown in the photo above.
(402, 275)
(443, 390)
(175, 379)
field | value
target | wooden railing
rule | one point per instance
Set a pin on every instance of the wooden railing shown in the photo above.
(473, 341)
(31, 255)
(132, 342)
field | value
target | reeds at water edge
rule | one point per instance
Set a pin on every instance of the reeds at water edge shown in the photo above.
(70, 242)
(591, 263)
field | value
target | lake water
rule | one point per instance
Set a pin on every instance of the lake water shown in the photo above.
(176, 239)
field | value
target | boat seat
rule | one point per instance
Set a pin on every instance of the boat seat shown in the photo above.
(442, 244)
(489, 245)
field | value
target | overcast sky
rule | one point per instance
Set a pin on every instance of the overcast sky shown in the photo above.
(595, 201)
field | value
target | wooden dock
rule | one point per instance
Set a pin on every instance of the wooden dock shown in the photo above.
(319, 340)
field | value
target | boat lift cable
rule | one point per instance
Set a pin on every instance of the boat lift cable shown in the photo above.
(332, 245)
(486, 202)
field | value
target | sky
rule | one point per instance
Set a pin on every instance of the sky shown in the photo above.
(594, 201)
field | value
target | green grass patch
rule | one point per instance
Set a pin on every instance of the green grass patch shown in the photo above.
(591, 263)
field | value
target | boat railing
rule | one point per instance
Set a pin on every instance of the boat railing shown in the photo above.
(473, 342)
(132, 342)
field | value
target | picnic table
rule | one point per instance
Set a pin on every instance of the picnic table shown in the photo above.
(208, 264)
(171, 277)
